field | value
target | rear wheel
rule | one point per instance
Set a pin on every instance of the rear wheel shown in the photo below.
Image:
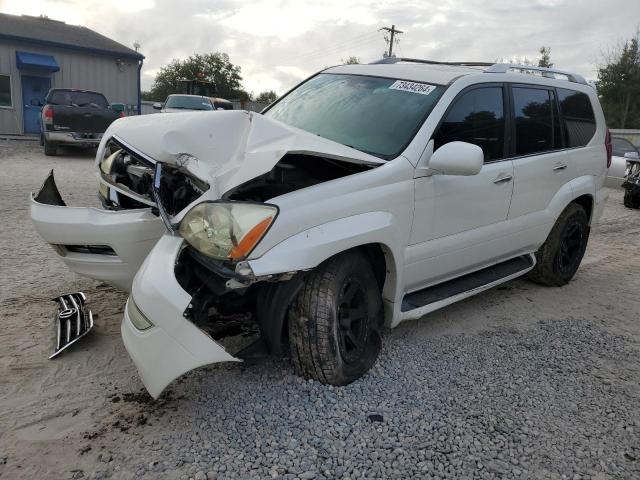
(334, 322)
(630, 200)
(559, 257)
(50, 149)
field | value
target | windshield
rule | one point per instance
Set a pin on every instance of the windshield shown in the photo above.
(376, 115)
(78, 99)
(188, 103)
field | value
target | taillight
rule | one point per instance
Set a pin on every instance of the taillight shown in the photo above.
(121, 115)
(47, 113)
(609, 146)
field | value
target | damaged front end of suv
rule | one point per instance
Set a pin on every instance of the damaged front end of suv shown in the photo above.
(209, 192)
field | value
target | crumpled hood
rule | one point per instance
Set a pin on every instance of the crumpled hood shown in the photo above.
(230, 147)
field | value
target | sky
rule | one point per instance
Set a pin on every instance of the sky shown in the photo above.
(278, 43)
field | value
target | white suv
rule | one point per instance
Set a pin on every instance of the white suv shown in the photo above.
(365, 196)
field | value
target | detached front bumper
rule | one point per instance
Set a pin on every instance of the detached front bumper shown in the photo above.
(172, 345)
(102, 244)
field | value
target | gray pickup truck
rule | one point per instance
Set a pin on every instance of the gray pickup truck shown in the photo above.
(73, 117)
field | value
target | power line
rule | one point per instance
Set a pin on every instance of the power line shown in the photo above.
(337, 51)
(338, 47)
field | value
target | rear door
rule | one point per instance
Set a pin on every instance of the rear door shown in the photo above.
(541, 163)
(455, 219)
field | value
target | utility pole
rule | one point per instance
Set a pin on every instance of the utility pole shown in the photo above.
(393, 30)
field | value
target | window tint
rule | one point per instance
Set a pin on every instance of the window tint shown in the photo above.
(5, 91)
(622, 146)
(72, 98)
(534, 115)
(476, 117)
(578, 118)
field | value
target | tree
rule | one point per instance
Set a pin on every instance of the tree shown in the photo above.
(545, 57)
(211, 67)
(352, 60)
(267, 97)
(619, 85)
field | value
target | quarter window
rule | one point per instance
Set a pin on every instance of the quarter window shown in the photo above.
(535, 113)
(578, 119)
(5, 91)
(476, 117)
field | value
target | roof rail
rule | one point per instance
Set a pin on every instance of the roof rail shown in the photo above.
(546, 72)
(492, 67)
(431, 62)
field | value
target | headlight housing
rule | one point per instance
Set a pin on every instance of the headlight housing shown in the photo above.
(227, 230)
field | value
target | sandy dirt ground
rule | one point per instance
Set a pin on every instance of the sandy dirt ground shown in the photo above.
(69, 415)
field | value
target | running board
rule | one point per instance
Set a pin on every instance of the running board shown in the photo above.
(417, 304)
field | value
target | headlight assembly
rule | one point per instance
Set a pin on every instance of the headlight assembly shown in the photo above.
(227, 230)
(107, 162)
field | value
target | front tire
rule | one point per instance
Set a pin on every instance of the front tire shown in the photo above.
(50, 149)
(560, 255)
(335, 321)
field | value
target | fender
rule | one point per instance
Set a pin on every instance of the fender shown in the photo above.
(309, 248)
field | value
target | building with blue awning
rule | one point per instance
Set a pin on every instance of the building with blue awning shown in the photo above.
(38, 53)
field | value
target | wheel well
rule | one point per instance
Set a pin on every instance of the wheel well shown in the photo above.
(375, 253)
(586, 202)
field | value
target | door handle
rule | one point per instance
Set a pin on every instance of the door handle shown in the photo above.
(505, 178)
(560, 166)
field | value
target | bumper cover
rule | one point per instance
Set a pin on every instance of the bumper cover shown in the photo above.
(174, 345)
(130, 233)
(74, 138)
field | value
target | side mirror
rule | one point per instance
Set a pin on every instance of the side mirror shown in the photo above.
(632, 156)
(157, 106)
(457, 158)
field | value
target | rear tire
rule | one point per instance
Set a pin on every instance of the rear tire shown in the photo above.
(560, 255)
(631, 201)
(335, 321)
(50, 149)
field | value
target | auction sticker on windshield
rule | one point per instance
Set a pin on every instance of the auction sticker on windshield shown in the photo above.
(413, 87)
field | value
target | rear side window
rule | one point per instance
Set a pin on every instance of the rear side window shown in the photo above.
(476, 117)
(579, 122)
(77, 99)
(536, 121)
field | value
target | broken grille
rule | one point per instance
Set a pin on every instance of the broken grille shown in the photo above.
(73, 320)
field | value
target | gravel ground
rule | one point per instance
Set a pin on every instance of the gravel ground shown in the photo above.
(519, 382)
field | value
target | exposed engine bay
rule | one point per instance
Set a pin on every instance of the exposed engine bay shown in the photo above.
(134, 176)
(294, 172)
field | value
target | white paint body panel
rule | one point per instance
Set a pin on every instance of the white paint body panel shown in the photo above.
(130, 233)
(174, 345)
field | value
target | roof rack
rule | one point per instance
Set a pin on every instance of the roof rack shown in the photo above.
(431, 62)
(546, 72)
(492, 67)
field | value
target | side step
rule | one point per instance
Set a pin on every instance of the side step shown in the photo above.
(423, 301)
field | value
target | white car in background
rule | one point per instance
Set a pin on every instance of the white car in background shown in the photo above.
(366, 196)
(617, 171)
(195, 103)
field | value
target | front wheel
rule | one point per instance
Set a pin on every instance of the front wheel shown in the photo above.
(334, 322)
(560, 255)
